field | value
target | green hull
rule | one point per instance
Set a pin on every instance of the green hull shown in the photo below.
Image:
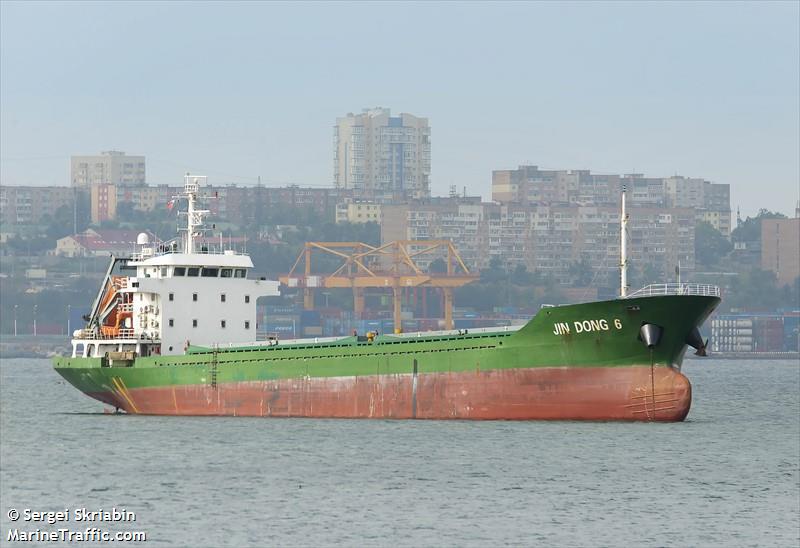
(579, 353)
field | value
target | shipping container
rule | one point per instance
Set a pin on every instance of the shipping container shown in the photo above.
(279, 328)
(281, 309)
(310, 317)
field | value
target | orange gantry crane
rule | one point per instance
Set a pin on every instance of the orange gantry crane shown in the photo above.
(392, 266)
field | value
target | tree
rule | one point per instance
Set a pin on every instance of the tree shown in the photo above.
(755, 289)
(70, 219)
(710, 246)
(126, 212)
(750, 229)
(495, 272)
(109, 224)
(521, 276)
(581, 272)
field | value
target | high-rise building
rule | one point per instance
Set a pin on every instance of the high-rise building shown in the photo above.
(111, 167)
(382, 157)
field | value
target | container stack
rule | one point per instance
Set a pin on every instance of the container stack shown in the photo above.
(755, 333)
(281, 321)
(768, 334)
(732, 334)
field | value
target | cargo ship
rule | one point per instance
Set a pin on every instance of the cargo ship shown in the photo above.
(172, 332)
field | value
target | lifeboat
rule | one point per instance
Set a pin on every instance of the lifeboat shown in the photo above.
(119, 319)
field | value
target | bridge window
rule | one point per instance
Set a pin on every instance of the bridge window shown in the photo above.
(222, 298)
(247, 325)
(210, 272)
(226, 272)
(179, 271)
(194, 271)
(194, 297)
(172, 296)
(222, 324)
(247, 298)
(194, 323)
(241, 273)
(171, 322)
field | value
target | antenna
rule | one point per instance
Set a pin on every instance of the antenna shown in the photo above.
(623, 248)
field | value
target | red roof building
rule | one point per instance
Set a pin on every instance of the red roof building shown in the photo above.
(97, 243)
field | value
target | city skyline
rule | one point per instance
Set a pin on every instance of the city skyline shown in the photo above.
(700, 90)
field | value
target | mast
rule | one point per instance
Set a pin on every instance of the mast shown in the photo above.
(194, 217)
(623, 248)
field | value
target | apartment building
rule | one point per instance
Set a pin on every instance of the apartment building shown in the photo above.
(146, 198)
(382, 157)
(780, 248)
(358, 211)
(111, 167)
(242, 204)
(248, 204)
(549, 238)
(103, 202)
(711, 201)
(531, 185)
(21, 205)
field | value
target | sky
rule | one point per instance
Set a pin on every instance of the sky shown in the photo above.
(238, 91)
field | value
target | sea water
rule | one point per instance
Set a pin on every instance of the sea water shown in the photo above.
(728, 476)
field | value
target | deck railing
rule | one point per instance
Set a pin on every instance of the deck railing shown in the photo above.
(124, 333)
(651, 290)
(209, 246)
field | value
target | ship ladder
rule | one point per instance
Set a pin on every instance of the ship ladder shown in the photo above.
(214, 367)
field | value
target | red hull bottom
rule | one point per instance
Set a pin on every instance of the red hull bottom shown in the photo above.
(612, 393)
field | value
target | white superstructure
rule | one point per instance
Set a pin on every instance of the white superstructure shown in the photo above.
(182, 292)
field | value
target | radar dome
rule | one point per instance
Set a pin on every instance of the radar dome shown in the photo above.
(142, 239)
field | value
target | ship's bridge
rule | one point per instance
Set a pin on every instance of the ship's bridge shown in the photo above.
(193, 265)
